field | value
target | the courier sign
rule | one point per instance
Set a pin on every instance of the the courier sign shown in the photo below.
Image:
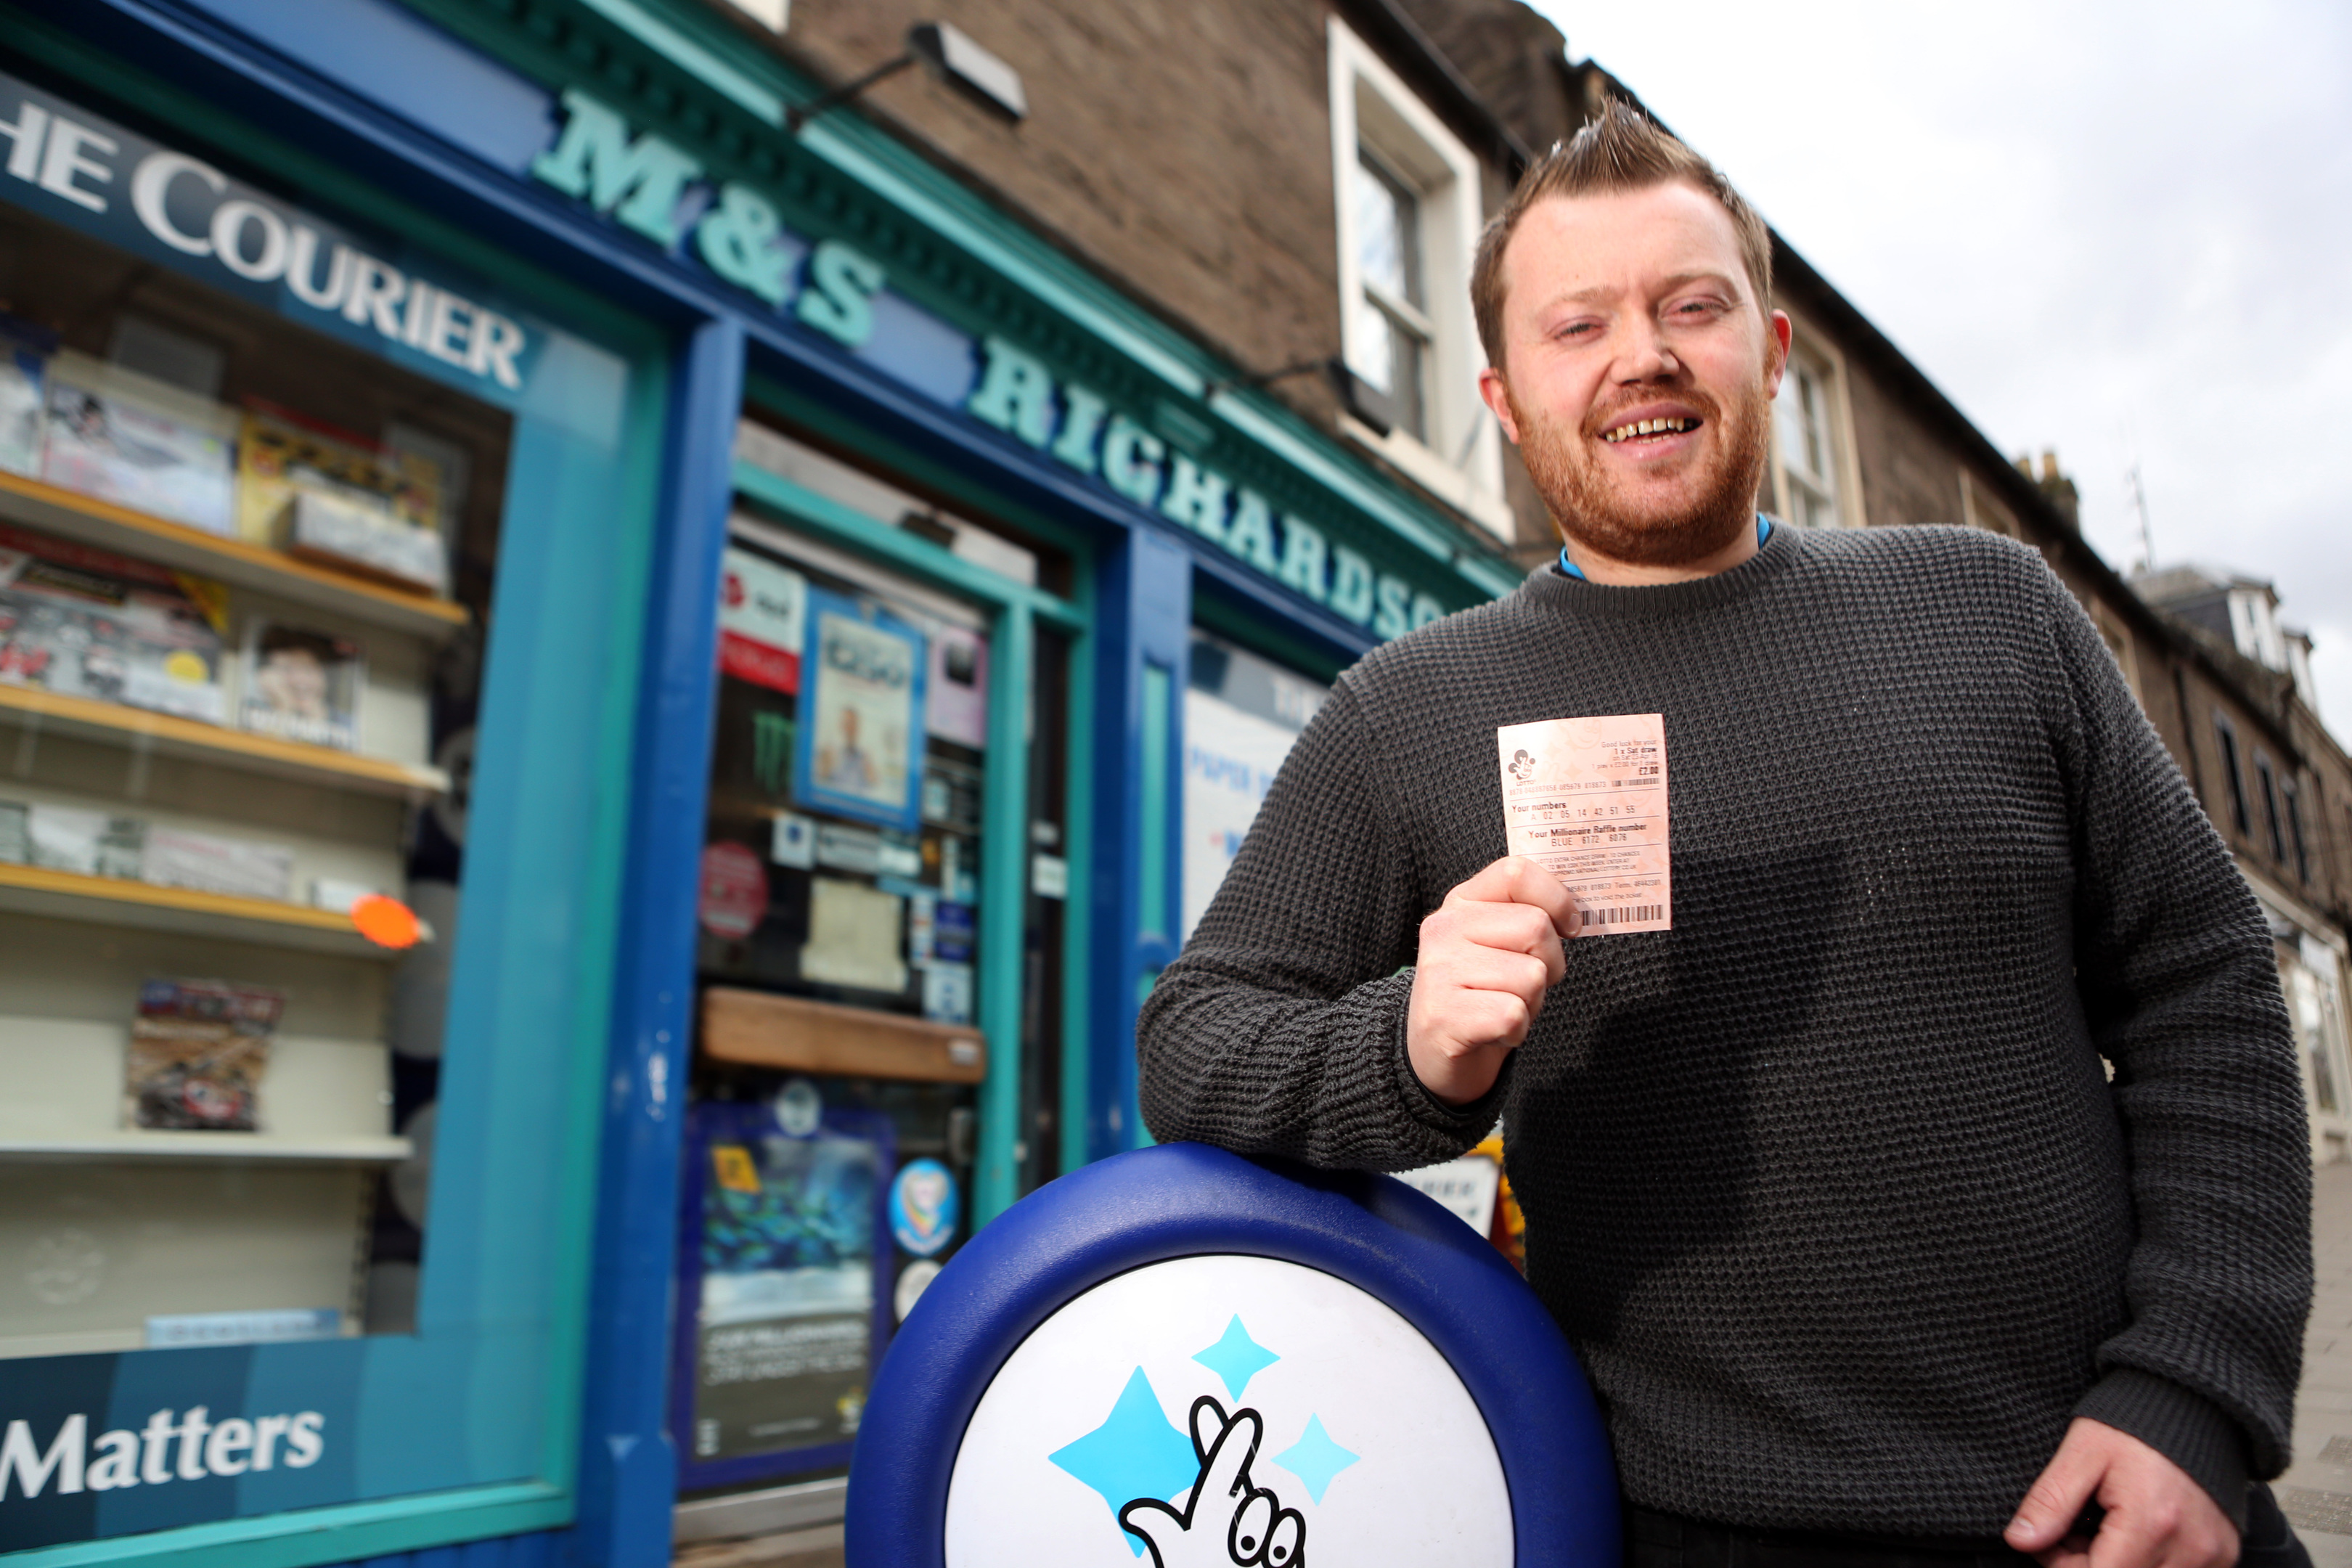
(76, 168)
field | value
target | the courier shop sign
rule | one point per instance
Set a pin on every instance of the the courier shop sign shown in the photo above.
(68, 164)
(736, 230)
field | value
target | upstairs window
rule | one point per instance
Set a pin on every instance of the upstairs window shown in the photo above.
(2302, 857)
(2271, 808)
(1406, 198)
(1810, 444)
(1392, 329)
(2228, 737)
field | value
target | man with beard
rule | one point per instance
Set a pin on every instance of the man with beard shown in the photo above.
(1935, 1189)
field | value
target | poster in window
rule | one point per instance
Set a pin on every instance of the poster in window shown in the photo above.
(861, 738)
(762, 616)
(784, 1226)
(958, 704)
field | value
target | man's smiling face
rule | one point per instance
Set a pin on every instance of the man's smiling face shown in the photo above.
(1638, 365)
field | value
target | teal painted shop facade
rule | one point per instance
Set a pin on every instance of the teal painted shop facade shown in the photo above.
(683, 346)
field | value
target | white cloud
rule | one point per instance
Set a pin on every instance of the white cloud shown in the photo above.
(2125, 232)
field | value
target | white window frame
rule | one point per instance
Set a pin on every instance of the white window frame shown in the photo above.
(1370, 107)
(1979, 509)
(1845, 469)
(2120, 647)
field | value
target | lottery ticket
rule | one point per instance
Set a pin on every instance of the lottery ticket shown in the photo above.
(1586, 799)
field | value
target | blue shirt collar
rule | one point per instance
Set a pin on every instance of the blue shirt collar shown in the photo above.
(1763, 532)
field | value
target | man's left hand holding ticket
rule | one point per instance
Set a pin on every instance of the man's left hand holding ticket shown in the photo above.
(1488, 953)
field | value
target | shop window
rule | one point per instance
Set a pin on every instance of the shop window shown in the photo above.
(322, 570)
(2271, 820)
(2308, 972)
(2226, 734)
(246, 574)
(1406, 194)
(1810, 445)
(1242, 715)
(845, 957)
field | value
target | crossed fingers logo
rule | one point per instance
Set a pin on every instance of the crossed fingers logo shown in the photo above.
(1228, 1522)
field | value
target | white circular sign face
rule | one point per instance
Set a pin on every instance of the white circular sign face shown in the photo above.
(1368, 1449)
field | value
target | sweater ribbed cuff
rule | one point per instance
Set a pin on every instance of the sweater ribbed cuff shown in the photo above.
(1469, 1121)
(2184, 1427)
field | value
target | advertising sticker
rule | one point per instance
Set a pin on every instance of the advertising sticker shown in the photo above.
(924, 1207)
(778, 1346)
(861, 737)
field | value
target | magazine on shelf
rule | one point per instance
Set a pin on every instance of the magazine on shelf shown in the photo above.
(23, 357)
(334, 497)
(198, 1053)
(87, 842)
(208, 863)
(302, 684)
(87, 623)
(129, 439)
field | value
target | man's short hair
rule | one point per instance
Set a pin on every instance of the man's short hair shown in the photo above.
(1622, 151)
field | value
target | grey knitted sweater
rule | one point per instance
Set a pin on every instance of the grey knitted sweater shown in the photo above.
(1827, 1185)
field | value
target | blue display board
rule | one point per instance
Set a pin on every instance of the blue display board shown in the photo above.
(1180, 1355)
(785, 1281)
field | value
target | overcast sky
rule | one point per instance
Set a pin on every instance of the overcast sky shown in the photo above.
(2122, 231)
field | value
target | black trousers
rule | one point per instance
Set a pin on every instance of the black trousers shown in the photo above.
(1655, 1539)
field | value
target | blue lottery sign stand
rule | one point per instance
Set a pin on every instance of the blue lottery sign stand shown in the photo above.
(1186, 1357)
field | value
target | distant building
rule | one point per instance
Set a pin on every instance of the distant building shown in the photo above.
(2279, 787)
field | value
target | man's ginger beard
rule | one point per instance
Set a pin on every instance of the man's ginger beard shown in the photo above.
(1588, 508)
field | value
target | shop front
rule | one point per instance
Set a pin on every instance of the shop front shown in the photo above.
(609, 712)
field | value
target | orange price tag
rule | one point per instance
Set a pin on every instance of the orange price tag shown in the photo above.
(387, 922)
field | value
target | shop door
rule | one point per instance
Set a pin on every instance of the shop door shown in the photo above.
(880, 947)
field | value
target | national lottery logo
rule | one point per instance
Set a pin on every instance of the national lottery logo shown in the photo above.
(1227, 1412)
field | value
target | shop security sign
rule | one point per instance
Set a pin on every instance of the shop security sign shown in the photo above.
(737, 232)
(89, 174)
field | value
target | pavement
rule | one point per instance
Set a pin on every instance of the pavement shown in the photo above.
(817, 1548)
(2315, 1491)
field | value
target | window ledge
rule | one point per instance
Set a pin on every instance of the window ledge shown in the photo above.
(1435, 475)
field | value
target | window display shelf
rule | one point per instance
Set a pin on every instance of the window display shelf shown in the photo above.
(185, 549)
(88, 719)
(758, 1028)
(107, 900)
(130, 1144)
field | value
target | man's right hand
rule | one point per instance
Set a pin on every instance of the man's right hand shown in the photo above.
(1488, 953)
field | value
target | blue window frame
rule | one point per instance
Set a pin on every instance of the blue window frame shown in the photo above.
(468, 1426)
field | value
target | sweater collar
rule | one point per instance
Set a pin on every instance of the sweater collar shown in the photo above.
(1570, 569)
(1775, 553)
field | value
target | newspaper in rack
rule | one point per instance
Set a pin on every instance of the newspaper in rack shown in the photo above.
(1586, 799)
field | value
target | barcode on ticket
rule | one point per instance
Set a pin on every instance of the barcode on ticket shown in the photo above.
(1622, 916)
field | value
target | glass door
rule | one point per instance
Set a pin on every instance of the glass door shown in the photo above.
(870, 997)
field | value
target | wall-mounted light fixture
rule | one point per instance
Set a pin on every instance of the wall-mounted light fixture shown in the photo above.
(953, 56)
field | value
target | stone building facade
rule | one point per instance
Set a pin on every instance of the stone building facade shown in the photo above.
(1252, 171)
